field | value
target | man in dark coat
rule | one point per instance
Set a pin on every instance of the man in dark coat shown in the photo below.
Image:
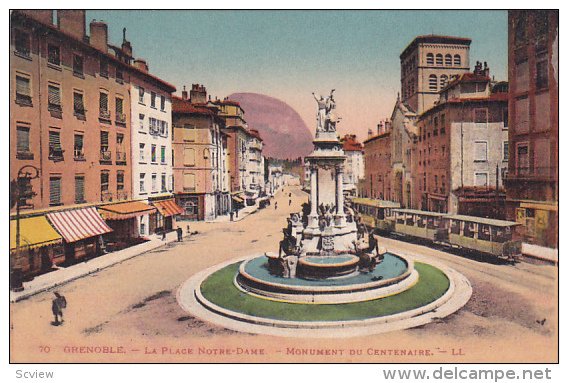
(57, 306)
(179, 233)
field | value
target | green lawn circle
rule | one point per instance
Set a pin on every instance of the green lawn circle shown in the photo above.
(218, 288)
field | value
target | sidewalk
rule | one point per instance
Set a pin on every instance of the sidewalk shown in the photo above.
(243, 213)
(61, 276)
(541, 253)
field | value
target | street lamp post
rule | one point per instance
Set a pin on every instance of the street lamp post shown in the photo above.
(23, 192)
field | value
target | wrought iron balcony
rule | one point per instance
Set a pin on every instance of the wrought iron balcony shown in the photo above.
(106, 156)
(120, 118)
(106, 196)
(79, 155)
(121, 157)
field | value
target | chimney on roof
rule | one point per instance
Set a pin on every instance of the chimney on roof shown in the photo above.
(485, 69)
(369, 133)
(142, 65)
(184, 94)
(380, 128)
(72, 22)
(198, 94)
(478, 69)
(99, 35)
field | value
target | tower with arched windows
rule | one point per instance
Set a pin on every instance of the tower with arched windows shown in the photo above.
(427, 65)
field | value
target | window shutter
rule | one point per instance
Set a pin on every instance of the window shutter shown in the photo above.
(54, 141)
(55, 190)
(22, 86)
(189, 156)
(189, 180)
(104, 139)
(78, 104)
(23, 140)
(54, 97)
(103, 102)
(119, 105)
(79, 189)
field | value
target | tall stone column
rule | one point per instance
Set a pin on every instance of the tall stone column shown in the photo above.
(313, 217)
(340, 216)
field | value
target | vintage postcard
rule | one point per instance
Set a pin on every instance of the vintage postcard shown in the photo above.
(334, 186)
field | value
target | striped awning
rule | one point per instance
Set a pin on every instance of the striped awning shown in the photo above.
(75, 225)
(125, 210)
(168, 207)
(34, 232)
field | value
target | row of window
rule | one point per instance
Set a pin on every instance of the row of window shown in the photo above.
(154, 184)
(153, 97)
(155, 127)
(153, 154)
(441, 60)
(22, 46)
(54, 100)
(56, 152)
(55, 185)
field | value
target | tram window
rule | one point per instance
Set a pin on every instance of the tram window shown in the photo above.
(469, 230)
(484, 233)
(400, 218)
(421, 222)
(410, 220)
(431, 223)
(380, 214)
(455, 227)
(501, 234)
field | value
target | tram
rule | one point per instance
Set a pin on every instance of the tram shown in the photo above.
(496, 237)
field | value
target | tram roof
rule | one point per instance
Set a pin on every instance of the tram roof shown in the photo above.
(375, 202)
(420, 212)
(484, 221)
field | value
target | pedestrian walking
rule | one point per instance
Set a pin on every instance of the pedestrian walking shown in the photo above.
(179, 231)
(232, 214)
(188, 230)
(290, 202)
(275, 205)
(290, 195)
(163, 234)
(237, 213)
(57, 306)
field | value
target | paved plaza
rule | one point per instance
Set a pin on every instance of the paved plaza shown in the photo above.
(129, 312)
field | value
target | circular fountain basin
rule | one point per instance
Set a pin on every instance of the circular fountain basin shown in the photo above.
(392, 276)
(320, 267)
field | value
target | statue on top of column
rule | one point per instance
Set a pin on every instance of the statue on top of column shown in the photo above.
(326, 117)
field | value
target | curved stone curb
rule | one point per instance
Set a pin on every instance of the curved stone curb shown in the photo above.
(190, 299)
(337, 296)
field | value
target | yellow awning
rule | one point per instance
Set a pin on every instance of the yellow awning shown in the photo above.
(34, 232)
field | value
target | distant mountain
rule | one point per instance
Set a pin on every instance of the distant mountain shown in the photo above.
(283, 131)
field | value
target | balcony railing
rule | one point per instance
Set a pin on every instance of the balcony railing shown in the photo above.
(121, 195)
(79, 155)
(106, 196)
(120, 156)
(106, 155)
(104, 115)
(120, 118)
(56, 154)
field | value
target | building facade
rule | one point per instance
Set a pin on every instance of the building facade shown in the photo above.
(235, 127)
(152, 175)
(426, 66)
(354, 164)
(378, 170)
(462, 148)
(200, 148)
(532, 183)
(69, 110)
(255, 167)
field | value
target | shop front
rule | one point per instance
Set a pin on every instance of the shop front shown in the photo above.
(82, 230)
(167, 209)
(40, 246)
(123, 218)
